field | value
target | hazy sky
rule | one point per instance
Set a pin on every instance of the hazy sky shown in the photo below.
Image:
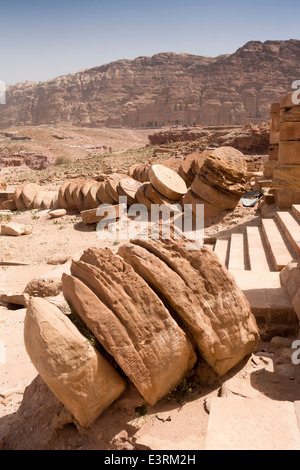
(40, 40)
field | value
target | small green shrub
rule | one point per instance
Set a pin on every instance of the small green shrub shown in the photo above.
(62, 161)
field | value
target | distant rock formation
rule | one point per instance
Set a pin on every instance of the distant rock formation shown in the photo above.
(163, 90)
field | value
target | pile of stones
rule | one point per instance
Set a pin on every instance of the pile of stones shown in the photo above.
(165, 187)
(215, 178)
(32, 196)
(154, 307)
(220, 180)
(80, 194)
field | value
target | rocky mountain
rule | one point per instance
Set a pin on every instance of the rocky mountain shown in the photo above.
(165, 89)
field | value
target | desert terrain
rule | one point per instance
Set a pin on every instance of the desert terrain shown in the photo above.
(265, 383)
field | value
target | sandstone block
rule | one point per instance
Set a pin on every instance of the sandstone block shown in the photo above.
(92, 199)
(57, 213)
(155, 197)
(167, 182)
(275, 108)
(275, 123)
(10, 204)
(214, 196)
(128, 187)
(290, 114)
(62, 199)
(130, 321)
(29, 192)
(287, 102)
(289, 153)
(85, 188)
(290, 131)
(112, 184)
(194, 200)
(38, 200)
(78, 196)
(90, 216)
(69, 195)
(19, 199)
(273, 152)
(15, 230)
(103, 196)
(74, 371)
(287, 176)
(202, 293)
(274, 138)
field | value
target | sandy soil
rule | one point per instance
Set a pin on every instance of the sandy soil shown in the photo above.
(71, 142)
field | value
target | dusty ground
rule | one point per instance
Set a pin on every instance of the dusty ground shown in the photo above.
(72, 143)
(32, 418)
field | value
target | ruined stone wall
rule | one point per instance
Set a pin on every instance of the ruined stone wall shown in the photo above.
(284, 154)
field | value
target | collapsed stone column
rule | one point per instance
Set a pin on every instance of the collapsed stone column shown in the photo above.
(286, 175)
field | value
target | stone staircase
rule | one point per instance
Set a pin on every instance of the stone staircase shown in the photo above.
(255, 258)
(267, 248)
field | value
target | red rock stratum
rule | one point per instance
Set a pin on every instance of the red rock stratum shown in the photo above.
(164, 89)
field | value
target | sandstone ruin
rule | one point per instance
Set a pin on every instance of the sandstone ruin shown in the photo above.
(120, 326)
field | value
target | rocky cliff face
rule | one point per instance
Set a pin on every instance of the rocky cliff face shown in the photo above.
(165, 89)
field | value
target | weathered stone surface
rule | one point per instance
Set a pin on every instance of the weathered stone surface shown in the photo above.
(84, 191)
(15, 230)
(19, 199)
(190, 166)
(9, 205)
(286, 101)
(78, 196)
(238, 423)
(29, 192)
(249, 138)
(274, 138)
(43, 287)
(269, 166)
(48, 200)
(90, 216)
(135, 327)
(290, 131)
(214, 196)
(92, 199)
(68, 196)
(155, 197)
(289, 153)
(167, 182)
(62, 199)
(220, 182)
(57, 213)
(103, 196)
(38, 200)
(74, 371)
(286, 176)
(203, 294)
(128, 187)
(142, 198)
(290, 114)
(290, 276)
(112, 185)
(192, 199)
(141, 172)
(18, 299)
